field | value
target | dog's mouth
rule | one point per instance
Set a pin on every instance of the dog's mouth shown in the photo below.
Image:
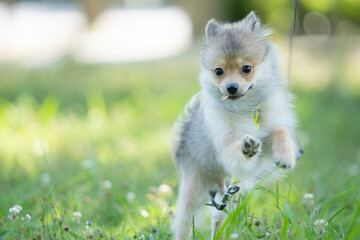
(235, 96)
(232, 96)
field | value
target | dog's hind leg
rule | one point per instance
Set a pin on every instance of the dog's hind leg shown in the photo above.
(217, 218)
(192, 193)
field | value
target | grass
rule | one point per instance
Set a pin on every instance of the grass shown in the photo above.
(95, 140)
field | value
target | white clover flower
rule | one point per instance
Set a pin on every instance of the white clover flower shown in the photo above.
(14, 210)
(26, 218)
(87, 227)
(77, 214)
(267, 235)
(144, 213)
(234, 236)
(76, 217)
(130, 197)
(18, 207)
(308, 196)
(165, 190)
(308, 199)
(320, 225)
(142, 237)
(106, 185)
(321, 221)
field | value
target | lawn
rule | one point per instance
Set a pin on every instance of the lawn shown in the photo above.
(84, 151)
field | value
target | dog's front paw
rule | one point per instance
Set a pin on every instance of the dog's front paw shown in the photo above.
(283, 149)
(284, 158)
(250, 146)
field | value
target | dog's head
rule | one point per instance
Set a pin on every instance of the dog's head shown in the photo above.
(232, 53)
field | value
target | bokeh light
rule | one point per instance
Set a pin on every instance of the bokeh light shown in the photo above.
(317, 26)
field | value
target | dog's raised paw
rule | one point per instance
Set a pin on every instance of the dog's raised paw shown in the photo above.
(250, 146)
(284, 159)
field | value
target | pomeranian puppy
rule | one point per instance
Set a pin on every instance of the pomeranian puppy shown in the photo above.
(240, 126)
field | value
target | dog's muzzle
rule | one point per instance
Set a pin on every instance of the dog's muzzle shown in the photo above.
(232, 90)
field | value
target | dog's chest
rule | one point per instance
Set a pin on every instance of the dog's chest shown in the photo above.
(236, 126)
(226, 128)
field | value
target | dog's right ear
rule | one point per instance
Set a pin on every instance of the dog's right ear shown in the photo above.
(252, 21)
(211, 29)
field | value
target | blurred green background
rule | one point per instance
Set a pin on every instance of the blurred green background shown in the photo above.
(94, 138)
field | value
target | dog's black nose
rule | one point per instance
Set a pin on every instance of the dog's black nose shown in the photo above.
(232, 88)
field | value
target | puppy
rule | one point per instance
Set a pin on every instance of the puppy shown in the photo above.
(239, 126)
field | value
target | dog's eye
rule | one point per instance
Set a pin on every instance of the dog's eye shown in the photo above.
(246, 69)
(218, 72)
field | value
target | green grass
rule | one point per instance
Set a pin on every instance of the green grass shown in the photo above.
(67, 130)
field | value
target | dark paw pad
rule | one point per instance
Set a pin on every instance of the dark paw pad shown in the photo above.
(251, 146)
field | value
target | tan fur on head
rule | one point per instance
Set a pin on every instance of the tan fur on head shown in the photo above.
(233, 66)
(233, 74)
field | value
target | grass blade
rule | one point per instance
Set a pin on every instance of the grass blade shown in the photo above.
(274, 194)
(338, 197)
(352, 231)
(337, 213)
(285, 228)
(292, 219)
(75, 235)
(289, 191)
(233, 215)
(281, 211)
(198, 234)
(277, 192)
(194, 231)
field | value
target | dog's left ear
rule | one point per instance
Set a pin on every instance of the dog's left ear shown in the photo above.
(211, 29)
(252, 21)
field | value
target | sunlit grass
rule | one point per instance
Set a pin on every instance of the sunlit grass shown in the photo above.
(95, 140)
